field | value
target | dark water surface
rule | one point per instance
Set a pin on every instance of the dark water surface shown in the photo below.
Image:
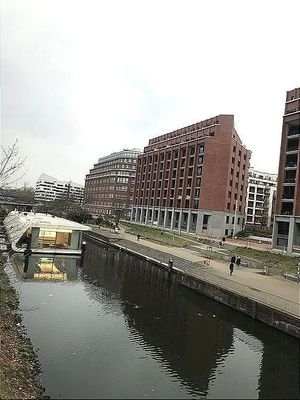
(118, 328)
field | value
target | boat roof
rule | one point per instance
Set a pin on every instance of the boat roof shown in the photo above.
(16, 224)
(40, 220)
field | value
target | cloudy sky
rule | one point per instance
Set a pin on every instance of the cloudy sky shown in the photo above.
(82, 79)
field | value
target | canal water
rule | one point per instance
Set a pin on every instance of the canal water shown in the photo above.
(117, 327)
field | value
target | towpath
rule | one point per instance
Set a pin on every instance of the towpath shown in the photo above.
(273, 291)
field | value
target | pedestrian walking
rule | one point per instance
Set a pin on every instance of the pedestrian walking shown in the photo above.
(238, 261)
(233, 259)
(231, 268)
(138, 237)
(223, 239)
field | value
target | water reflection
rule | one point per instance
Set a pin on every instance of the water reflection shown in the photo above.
(215, 351)
(47, 267)
(124, 330)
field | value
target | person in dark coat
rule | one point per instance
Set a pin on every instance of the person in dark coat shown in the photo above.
(238, 261)
(233, 259)
(138, 237)
(231, 268)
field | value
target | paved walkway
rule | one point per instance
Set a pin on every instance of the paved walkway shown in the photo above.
(274, 291)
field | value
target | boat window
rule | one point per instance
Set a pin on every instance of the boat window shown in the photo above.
(54, 239)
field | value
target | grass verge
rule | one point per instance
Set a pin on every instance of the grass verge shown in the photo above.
(274, 260)
(277, 262)
(155, 234)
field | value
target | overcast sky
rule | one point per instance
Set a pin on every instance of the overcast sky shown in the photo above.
(82, 79)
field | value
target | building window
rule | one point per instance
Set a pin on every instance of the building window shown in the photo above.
(201, 149)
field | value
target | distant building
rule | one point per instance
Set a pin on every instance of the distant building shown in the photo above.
(194, 179)
(109, 184)
(261, 197)
(49, 189)
(286, 230)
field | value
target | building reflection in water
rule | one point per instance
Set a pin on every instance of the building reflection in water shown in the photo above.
(47, 267)
(183, 330)
(201, 341)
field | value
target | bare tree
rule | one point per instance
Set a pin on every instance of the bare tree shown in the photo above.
(11, 165)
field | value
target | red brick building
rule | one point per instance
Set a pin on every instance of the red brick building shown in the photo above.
(109, 184)
(194, 179)
(286, 230)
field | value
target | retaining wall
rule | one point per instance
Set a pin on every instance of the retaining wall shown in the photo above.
(270, 316)
(277, 319)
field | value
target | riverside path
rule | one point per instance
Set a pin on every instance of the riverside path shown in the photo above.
(273, 291)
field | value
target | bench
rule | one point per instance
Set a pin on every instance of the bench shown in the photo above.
(292, 277)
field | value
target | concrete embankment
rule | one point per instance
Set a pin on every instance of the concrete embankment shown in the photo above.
(274, 310)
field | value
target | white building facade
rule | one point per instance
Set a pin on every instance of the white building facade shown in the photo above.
(261, 197)
(49, 188)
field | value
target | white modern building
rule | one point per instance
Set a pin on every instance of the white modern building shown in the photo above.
(261, 196)
(49, 188)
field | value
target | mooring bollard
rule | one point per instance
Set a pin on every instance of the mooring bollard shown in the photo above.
(83, 246)
(170, 265)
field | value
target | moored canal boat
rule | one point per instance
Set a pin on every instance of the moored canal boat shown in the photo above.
(43, 233)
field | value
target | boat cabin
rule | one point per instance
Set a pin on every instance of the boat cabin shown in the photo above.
(43, 233)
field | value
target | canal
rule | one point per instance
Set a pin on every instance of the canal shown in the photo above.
(117, 327)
